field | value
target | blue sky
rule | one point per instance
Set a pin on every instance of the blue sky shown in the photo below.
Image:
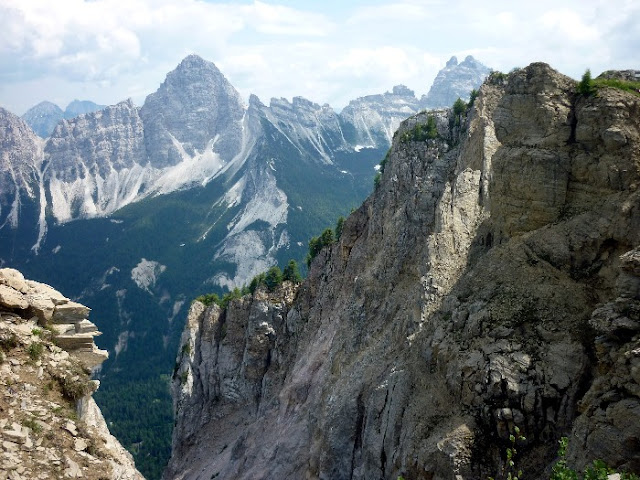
(328, 51)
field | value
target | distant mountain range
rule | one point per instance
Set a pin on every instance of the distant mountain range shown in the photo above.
(44, 117)
(137, 210)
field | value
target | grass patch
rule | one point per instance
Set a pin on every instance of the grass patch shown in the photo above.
(32, 424)
(8, 341)
(35, 350)
(624, 85)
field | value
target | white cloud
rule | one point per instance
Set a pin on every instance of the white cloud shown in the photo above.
(107, 50)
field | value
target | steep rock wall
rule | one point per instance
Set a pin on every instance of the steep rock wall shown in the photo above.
(489, 282)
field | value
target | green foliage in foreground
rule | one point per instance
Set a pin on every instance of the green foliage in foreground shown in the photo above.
(588, 86)
(316, 244)
(624, 85)
(291, 272)
(421, 131)
(472, 97)
(597, 471)
(459, 107)
(328, 237)
(271, 279)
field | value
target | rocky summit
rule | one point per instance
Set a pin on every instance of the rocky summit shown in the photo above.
(50, 426)
(455, 80)
(491, 281)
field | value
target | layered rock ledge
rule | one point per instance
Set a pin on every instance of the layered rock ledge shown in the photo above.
(50, 426)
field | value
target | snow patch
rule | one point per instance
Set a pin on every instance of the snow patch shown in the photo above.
(268, 204)
(121, 345)
(249, 253)
(177, 305)
(146, 273)
(201, 168)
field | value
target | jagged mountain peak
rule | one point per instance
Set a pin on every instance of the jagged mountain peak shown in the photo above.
(43, 118)
(194, 105)
(195, 61)
(80, 107)
(455, 80)
(402, 90)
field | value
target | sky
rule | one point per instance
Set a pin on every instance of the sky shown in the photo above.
(329, 51)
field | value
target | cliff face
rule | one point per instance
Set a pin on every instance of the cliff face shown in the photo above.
(49, 423)
(490, 281)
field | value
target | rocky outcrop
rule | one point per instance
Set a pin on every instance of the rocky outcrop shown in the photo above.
(371, 121)
(490, 281)
(455, 80)
(93, 162)
(20, 169)
(50, 425)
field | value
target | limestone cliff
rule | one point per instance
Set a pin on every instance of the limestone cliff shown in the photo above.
(50, 426)
(491, 280)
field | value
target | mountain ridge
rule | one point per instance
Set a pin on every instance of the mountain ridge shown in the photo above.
(490, 281)
(142, 230)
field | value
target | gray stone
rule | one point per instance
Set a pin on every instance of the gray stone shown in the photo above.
(11, 298)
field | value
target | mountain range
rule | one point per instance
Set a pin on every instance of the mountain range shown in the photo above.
(137, 210)
(44, 117)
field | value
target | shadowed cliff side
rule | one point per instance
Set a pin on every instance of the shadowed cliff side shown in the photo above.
(490, 281)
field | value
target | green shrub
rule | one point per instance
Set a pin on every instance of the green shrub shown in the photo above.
(339, 227)
(598, 471)
(316, 244)
(459, 107)
(291, 272)
(421, 132)
(209, 299)
(256, 282)
(586, 87)
(35, 350)
(273, 278)
(75, 387)
(472, 97)
(624, 85)
(32, 424)
(376, 180)
(8, 341)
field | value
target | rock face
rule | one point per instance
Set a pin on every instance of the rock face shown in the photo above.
(455, 80)
(490, 281)
(20, 170)
(93, 162)
(50, 426)
(371, 121)
(197, 111)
